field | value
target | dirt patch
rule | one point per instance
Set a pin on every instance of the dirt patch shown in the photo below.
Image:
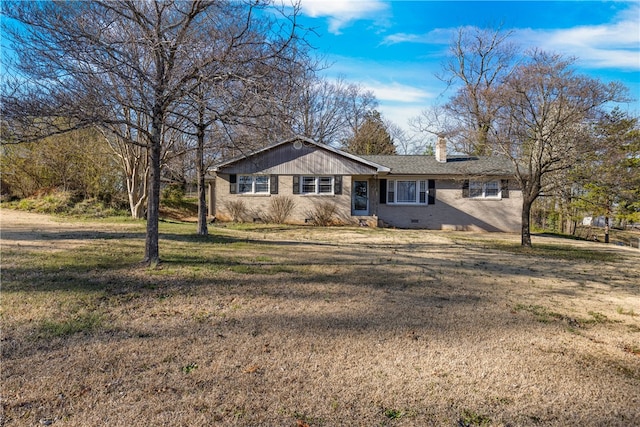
(307, 326)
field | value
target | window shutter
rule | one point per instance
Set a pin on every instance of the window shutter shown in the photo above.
(465, 188)
(233, 186)
(337, 184)
(504, 188)
(296, 184)
(432, 192)
(273, 184)
(383, 191)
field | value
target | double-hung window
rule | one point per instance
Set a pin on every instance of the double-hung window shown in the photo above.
(253, 184)
(484, 189)
(316, 185)
(407, 192)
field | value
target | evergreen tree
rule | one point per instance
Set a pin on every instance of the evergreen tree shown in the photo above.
(610, 175)
(372, 137)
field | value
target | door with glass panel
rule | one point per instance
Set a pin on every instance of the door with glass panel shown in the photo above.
(360, 198)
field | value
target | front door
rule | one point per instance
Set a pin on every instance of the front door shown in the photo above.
(360, 198)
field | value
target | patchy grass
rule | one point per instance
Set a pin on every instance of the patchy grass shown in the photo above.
(300, 326)
(470, 418)
(79, 323)
(630, 312)
(556, 251)
(542, 314)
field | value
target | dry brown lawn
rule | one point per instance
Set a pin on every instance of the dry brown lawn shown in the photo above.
(294, 326)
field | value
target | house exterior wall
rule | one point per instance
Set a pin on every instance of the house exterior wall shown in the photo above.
(258, 206)
(452, 211)
(449, 208)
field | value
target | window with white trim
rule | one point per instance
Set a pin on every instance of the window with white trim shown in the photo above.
(316, 185)
(253, 184)
(484, 189)
(407, 192)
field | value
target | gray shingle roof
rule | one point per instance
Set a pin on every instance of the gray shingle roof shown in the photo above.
(455, 165)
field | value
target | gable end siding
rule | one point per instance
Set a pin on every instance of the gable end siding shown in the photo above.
(306, 160)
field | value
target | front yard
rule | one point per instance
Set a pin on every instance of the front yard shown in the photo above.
(294, 326)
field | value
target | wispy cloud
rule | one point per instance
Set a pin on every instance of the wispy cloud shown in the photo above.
(437, 36)
(611, 45)
(394, 91)
(342, 12)
(615, 45)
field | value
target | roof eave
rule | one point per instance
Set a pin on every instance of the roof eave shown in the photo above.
(379, 168)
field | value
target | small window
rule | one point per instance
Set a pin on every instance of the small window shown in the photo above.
(325, 184)
(492, 189)
(317, 185)
(308, 184)
(253, 184)
(484, 189)
(476, 189)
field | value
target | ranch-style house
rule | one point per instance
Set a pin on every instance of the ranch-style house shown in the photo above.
(440, 192)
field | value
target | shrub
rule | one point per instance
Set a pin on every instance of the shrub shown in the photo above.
(280, 208)
(323, 213)
(173, 195)
(237, 210)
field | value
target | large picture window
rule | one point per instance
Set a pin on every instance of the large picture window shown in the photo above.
(253, 184)
(407, 192)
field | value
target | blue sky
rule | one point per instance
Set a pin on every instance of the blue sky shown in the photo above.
(395, 48)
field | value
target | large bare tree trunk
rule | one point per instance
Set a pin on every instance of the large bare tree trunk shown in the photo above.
(526, 223)
(202, 190)
(152, 253)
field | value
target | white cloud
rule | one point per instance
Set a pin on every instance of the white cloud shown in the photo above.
(404, 38)
(341, 12)
(400, 114)
(397, 92)
(437, 36)
(612, 45)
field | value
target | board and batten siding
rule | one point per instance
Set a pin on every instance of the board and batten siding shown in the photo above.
(288, 160)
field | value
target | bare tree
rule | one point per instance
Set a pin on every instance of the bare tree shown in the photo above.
(81, 51)
(327, 110)
(533, 109)
(133, 160)
(479, 61)
(543, 123)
